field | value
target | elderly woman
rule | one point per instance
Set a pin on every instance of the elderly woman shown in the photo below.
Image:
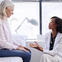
(53, 46)
(7, 47)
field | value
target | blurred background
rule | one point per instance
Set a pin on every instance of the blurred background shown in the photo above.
(39, 10)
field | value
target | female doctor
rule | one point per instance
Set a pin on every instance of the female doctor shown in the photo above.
(53, 46)
(8, 48)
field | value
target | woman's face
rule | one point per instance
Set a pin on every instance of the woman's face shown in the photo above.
(9, 11)
(52, 24)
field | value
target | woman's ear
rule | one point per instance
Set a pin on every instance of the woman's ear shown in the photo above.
(4, 12)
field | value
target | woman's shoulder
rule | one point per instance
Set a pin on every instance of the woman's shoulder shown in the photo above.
(0, 21)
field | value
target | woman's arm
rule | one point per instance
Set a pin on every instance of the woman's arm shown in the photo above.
(3, 42)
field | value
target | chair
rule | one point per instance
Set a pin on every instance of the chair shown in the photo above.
(11, 59)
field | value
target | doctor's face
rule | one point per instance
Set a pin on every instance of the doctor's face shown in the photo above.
(52, 24)
(9, 11)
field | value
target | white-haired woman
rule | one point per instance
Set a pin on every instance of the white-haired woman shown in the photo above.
(7, 46)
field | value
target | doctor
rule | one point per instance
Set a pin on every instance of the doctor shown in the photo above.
(52, 52)
(8, 48)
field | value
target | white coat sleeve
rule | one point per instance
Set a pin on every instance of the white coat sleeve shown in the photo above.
(3, 42)
(52, 53)
(56, 51)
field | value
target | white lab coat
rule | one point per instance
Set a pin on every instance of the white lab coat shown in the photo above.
(54, 55)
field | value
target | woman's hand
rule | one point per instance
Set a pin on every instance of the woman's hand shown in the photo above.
(23, 48)
(27, 49)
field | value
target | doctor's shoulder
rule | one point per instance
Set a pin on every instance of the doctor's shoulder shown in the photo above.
(60, 34)
(47, 34)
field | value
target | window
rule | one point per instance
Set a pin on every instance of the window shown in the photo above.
(50, 9)
(22, 11)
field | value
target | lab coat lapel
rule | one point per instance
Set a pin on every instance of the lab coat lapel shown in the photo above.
(57, 39)
(48, 40)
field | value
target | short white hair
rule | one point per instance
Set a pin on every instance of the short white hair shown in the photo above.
(3, 5)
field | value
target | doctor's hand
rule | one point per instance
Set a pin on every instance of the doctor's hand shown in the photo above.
(36, 46)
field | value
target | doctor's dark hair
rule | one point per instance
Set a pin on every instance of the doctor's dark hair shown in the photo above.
(58, 22)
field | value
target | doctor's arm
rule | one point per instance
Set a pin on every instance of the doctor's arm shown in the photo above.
(36, 46)
(56, 51)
